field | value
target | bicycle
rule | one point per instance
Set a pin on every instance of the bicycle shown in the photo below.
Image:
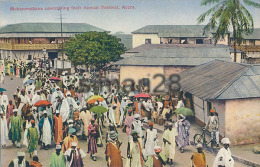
(200, 138)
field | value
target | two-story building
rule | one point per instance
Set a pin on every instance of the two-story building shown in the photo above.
(27, 41)
(174, 34)
(250, 46)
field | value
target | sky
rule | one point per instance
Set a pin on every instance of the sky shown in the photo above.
(140, 14)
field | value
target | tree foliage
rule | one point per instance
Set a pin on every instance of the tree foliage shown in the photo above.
(228, 14)
(94, 48)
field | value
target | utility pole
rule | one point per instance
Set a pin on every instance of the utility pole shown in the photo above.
(62, 46)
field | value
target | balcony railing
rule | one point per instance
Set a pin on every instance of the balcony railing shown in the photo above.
(8, 46)
(248, 48)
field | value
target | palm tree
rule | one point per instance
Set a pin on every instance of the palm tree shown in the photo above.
(229, 14)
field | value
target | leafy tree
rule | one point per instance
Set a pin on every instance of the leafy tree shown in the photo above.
(229, 14)
(94, 48)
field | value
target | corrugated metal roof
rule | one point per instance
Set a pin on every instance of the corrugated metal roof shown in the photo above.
(176, 57)
(174, 30)
(145, 47)
(222, 80)
(49, 28)
(126, 39)
(254, 35)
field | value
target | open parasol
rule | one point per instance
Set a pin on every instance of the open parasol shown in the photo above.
(42, 103)
(55, 79)
(98, 109)
(2, 89)
(142, 95)
(184, 111)
(95, 98)
(29, 82)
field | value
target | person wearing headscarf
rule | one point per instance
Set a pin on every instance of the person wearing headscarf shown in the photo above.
(35, 162)
(20, 161)
(198, 159)
(183, 127)
(213, 125)
(113, 153)
(32, 136)
(57, 158)
(15, 129)
(45, 127)
(69, 139)
(157, 160)
(150, 140)
(224, 156)
(28, 124)
(111, 114)
(4, 129)
(134, 151)
(92, 139)
(74, 156)
(169, 137)
(58, 125)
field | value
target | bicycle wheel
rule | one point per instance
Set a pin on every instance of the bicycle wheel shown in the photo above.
(198, 138)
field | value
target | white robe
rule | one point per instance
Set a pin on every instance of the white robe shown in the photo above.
(111, 115)
(150, 143)
(65, 107)
(25, 140)
(46, 132)
(4, 101)
(55, 95)
(36, 98)
(135, 161)
(180, 104)
(4, 131)
(224, 157)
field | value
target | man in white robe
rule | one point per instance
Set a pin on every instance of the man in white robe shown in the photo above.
(4, 130)
(74, 156)
(56, 94)
(151, 140)
(137, 126)
(122, 109)
(169, 136)
(36, 97)
(45, 126)
(65, 106)
(224, 156)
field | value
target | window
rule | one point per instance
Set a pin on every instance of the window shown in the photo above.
(169, 40)
(251, 42)
(52, 40)
(18, 41)
(183, 40)
(29, 57)
(244, 41)
(148, 41)
(199, 41)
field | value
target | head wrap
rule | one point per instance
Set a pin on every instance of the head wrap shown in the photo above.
(21, 154)
(157, 149)
(225, 141)
(72, 130)
(212, 110)
(58, 147)
(136, 116)
(32, 121)
(151, 124)
(199, 145)
(74, 144)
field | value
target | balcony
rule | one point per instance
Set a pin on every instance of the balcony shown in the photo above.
(8, 46)
(248, 48)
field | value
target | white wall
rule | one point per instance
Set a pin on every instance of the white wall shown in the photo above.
(219, 105)
(139, 39)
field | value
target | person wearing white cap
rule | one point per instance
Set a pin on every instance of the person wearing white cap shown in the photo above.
(56, 94)
(15, 128)
(137, 126)
(183, 127)
(36, 97)
(198, 158)
(116, 110)
(111, 114)
(20, 161)
(224, 156)
(57, 158)
(58, 124)
(4, 129)
(169, 137)
(122, 107)
(45, 126)
(74, 156)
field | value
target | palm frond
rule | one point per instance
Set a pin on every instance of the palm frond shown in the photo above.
(252, 3)
(202, 17)
(208, 2)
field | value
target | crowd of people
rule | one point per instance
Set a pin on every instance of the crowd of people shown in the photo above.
(67, 118)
